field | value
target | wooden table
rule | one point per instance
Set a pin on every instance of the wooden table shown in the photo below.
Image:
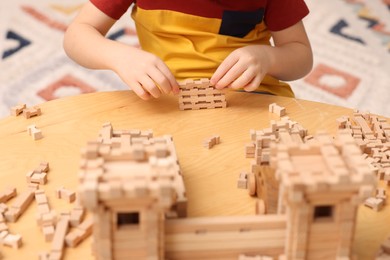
(210, 175)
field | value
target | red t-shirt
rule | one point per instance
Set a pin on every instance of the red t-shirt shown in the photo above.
(279, 14)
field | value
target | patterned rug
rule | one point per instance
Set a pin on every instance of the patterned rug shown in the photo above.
(350, 38)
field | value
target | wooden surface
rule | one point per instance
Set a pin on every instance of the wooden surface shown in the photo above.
(210, 175)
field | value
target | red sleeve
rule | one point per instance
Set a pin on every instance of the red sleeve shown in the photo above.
(281, 14)
(113, 8)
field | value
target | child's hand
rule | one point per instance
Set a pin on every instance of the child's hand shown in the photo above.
(243, 68)
(146, 74)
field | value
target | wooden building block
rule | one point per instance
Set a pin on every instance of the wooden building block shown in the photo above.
(3, 225)
(211, 141)
(42, 167)
(276, 109)
(7, 194)
(32, 111)
(11, 240)
(36, 177)
(381, 194)
(81, 232)
(250, 150)
(46, 218)
(374, 203)
(57, 245)
(17, 110)
(48, 232)
(76, 215)
(34, 132)
(22, 201)
(62, 193)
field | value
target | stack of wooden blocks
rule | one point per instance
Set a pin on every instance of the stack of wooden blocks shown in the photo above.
(199, 94)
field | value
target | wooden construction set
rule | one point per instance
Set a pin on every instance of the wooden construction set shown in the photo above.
(132, 184)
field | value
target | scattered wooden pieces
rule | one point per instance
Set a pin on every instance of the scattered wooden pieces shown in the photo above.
(27, 112)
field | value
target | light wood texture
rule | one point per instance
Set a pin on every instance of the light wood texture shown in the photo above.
(210, 175)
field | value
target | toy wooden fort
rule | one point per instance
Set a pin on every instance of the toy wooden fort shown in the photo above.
(129, 181)
(132, 184)
(371, 133)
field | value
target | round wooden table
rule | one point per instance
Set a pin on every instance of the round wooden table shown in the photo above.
(210, 175)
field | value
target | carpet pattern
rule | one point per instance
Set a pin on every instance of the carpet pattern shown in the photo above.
(350, 39)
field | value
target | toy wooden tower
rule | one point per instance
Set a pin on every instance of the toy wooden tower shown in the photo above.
(321, 184)
(130, 181)
(199, 94)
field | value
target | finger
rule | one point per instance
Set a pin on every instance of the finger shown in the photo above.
(222, 69)
(246, 77)
(174, 86)
(254, 84)
(139, 90)
(160, 80)
(233, 74)
(150, 86)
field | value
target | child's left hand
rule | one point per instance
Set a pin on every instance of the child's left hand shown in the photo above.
(243, 68)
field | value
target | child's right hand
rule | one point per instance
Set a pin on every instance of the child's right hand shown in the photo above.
(146, 74)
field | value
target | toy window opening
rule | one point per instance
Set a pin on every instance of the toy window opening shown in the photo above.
(323, 213)
(128, 219)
